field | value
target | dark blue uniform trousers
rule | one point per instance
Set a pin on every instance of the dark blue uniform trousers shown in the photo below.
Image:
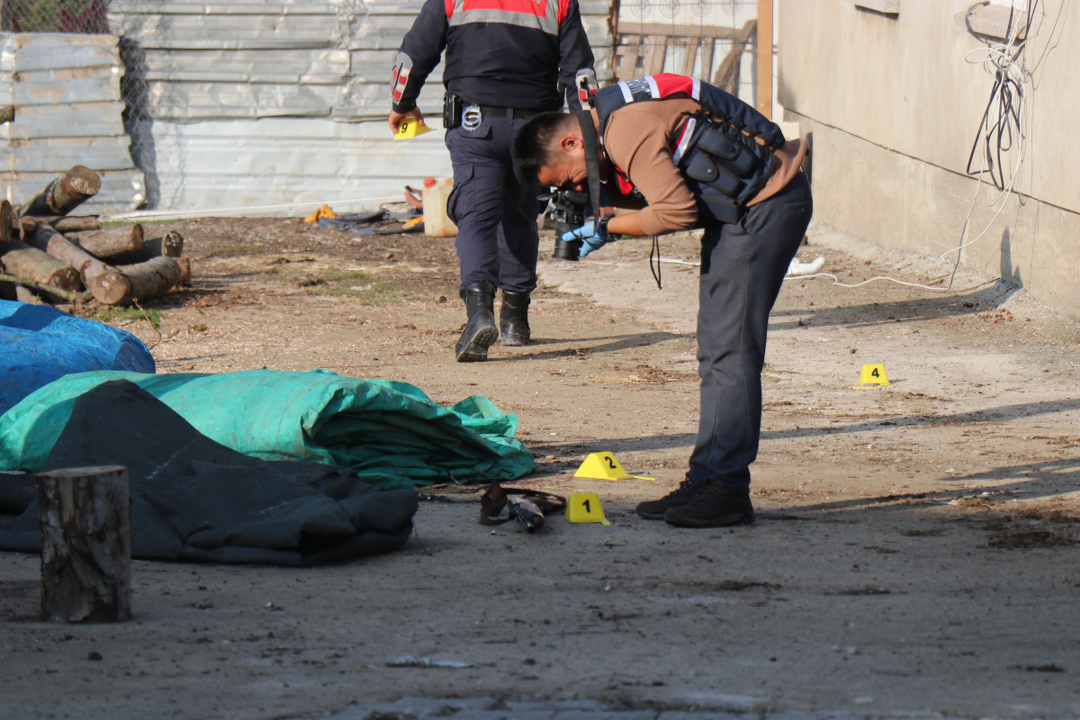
(742, 268)
(495, 212)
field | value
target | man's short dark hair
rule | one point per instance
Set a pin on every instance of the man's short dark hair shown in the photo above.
(533, 143)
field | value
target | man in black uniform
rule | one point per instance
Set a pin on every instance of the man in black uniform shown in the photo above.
(506, 61)
(694, 156)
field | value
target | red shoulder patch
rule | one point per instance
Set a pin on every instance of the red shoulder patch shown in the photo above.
(525, 7)
(669, 84)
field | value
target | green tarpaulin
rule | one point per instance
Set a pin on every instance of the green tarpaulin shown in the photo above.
(390, 433)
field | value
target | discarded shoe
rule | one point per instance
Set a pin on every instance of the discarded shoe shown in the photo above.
(480, 332)
(514, 319)
(713, 505)
(655, 509)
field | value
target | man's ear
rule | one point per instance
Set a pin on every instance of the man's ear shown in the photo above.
(569, 143)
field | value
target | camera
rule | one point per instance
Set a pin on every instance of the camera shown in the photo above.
(568, 212)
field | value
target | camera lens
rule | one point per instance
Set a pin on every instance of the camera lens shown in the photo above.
(567, 250)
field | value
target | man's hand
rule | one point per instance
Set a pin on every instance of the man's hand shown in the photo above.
(592, 237)
(396, 118)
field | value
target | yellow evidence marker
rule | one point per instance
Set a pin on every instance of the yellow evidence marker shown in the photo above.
(410, 127)
(873, 375)
(604, 466)
(585, 508)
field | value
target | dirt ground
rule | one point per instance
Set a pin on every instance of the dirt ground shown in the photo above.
(916, 552)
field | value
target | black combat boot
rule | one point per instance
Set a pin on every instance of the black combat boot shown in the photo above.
(514, 318)
(713, 505)
(480, 332)
(655, 509)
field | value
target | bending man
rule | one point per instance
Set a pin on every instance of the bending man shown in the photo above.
(690, 155)
(506, 61)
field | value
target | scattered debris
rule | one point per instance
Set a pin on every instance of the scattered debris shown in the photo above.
(411, 661)
(862, 591)
(1012, 539)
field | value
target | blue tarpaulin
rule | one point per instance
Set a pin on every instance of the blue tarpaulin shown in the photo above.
(39, 344)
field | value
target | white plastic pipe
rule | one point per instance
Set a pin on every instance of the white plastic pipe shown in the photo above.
(799, 269)
(242, 211)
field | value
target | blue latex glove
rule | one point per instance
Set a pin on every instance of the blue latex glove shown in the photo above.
(592, 238)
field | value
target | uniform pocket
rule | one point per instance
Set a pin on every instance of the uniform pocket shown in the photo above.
(463, 175)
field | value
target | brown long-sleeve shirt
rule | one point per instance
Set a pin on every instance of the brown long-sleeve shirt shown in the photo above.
(638, 141)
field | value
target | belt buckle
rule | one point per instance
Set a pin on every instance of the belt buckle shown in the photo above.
(471, 117)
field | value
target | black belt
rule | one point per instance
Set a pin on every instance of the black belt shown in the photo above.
(514, 112)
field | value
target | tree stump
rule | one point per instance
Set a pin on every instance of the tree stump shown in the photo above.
(85, 520)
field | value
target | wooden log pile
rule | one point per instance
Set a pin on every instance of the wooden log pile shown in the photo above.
(46, 254)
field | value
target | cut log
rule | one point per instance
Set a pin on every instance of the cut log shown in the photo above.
(75, 224)
(51, 291)
(185, 270)
(22, 227)
(59, 247)
(112, 241)
(136, 283)
(85, 520)
(64, 194)
(172, 245)
(29, 262)
(25, 295)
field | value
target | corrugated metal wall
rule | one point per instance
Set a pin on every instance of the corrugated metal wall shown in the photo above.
(66, 94)
(253, 102)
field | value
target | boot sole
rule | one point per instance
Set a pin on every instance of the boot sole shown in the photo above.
(725, 521)
(650, 516)
(476, 349)
(514, 341)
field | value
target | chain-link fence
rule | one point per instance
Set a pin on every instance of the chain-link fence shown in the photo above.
(55, 16)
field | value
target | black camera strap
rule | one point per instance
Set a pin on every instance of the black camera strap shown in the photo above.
(592, 159)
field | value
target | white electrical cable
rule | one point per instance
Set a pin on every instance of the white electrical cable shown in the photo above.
(805, 271)
(864, 282)
(1008, 60)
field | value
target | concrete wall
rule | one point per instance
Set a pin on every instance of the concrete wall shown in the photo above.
(895, 102)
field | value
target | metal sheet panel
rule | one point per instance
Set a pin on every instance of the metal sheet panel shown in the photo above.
(204, 65)
(59, 154)
(242, 100)
(38, 51)
(229, 164)
(66, 120)
(66, 89)
(60, 87)
(305, 67)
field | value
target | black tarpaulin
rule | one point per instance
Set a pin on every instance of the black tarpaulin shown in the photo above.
(195, 499)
